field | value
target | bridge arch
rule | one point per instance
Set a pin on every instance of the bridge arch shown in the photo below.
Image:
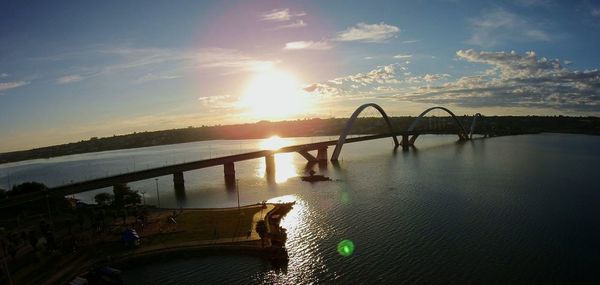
(346, 131)
(462, 134)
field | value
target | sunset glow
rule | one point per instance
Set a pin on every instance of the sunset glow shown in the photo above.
(284, 162)
(273, 143)
(336, 142)
(274, 94)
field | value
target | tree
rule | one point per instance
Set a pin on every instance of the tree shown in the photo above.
(123, 195)
(26, 188)
(103, 199)
(132, 198)
(261, 229)
(52, 203)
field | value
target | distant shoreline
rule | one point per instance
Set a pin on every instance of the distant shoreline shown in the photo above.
(504, 125)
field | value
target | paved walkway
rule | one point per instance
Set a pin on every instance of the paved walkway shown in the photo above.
(158, 224)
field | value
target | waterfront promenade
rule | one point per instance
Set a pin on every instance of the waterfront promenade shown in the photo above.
(196, 232)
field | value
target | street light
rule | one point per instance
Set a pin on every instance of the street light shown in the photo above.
(157, 195)
(49, 213)
(237, 189)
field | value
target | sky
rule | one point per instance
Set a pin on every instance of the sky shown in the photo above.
(71, 70)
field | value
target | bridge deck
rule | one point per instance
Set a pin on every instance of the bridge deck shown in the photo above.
(109, 181)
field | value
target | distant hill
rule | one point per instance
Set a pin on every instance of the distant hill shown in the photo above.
(502, 125)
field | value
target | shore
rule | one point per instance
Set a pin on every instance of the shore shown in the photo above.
(170, 233)
(506, 125)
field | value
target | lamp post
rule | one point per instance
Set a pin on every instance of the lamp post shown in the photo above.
(6, 267)
(49, 213)
(157, 195)
(8, 179)
(237, 189)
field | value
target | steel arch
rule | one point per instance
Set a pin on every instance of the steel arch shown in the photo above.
(342, 138)
(462, 134)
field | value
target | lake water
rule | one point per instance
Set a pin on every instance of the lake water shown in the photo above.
(506, 209)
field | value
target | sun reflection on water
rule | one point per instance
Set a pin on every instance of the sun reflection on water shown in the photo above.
(273, 143)
(284, 162)
(303, 237)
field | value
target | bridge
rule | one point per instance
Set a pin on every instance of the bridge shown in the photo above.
(408, 138)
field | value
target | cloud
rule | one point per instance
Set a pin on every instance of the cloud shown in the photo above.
(3, 75)
(293, 25)
(368, 33)
(171, 63)
(381, 74)
(10, 85)
(516, 80)
(218, 104)
(498, 25)
(308, 45)
(410, 41)
(69, 79)
(233, 60)
(403, 56)
(536, 3)
(280, 15)
(155, 77)
(427, 78)
(510, 79)
(355, 84)
(511, 64)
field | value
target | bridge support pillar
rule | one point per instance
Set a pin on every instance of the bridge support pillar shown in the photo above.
(178, 180)
(322, 154)
(229, 171)
(270, 164)
(405, 142)
(307, 155)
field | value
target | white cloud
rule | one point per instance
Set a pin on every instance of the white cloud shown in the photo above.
(510, 80)
(381, 74)
(232, 60)
(498, 25)
(516, 80)
(427, 78)
(356, 84)
(155, 77)
(69, 79)
(10, 85)
(512, 64)
(410, 41)
(307, 45)
(293, 25)
(218, 104)
(3, 75)
(403, 56)
(368, 33)
(146, 61)
(279, 15)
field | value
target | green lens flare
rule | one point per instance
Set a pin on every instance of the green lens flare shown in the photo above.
(345, 247)
(345, 197)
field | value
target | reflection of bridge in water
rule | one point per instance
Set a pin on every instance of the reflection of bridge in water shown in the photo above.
(408, 138)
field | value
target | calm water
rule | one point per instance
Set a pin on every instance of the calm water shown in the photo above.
(507, 209)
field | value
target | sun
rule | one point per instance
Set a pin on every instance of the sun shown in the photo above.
(274, 94)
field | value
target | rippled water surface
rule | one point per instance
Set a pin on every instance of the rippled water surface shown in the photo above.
(506, 209)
